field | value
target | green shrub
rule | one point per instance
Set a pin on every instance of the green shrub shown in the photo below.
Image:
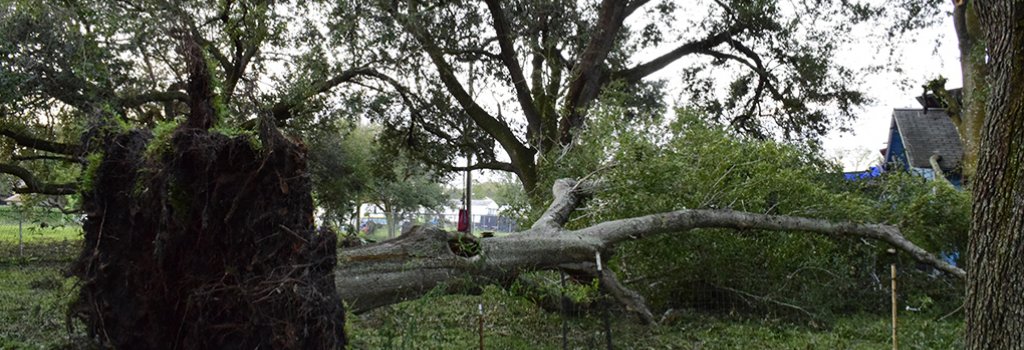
(647, 166)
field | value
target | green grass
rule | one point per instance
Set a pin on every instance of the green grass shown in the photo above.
(34, 295)
(32, 233)
(512, 322)
(37, 225)
(11, 215)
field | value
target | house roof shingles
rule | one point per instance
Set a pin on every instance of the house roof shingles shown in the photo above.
(925, 133)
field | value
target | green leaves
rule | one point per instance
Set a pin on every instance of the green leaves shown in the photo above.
(650, 166)
(350, 167)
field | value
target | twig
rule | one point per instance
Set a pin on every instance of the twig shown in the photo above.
(951, 313)
(766, 300)
(286, 229)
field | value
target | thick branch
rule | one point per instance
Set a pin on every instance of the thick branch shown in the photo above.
(587, 73)
(630, 299)
(934, 161)
(521, 155)
(141, 99)
(565, 201)
(59, 158)
(33, 185)
(613, 232)
(425, 258)
(282, 110)
(24, 139)
(635, 74)
(508, 58)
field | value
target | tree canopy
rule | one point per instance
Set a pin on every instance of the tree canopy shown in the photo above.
(72, 67)
(764, 68)
(94, 91)
(491, 78)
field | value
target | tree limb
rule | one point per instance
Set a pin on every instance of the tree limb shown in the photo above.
(24, 139)
(157, 96)
(508, 58)
(282, 110)
(59, 158)
(635, 74)
(587, 73)
(521, 155)
(633, 6)
(566, 199)
(33, 185)
(423, 258)
(632, 301)
(613, 232)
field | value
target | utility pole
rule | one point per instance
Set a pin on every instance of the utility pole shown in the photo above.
(469, 193)
(469, 161)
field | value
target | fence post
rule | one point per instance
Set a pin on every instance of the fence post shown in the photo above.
(21, 242)
(892, 269)
(604, 302)
(565, 305)
(480, 307)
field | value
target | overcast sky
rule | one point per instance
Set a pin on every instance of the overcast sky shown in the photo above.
(922, 56)
(933, 54)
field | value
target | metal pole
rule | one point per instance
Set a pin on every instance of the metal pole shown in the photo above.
(469, 193)
(21, 243)
(895, 342)
(481, 309)
(469, 160)
(607, 317)
(565, 305)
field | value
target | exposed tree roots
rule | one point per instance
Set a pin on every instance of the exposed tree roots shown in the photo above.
(208, 244)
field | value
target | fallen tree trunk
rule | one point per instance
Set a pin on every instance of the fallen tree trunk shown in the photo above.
(426, 258)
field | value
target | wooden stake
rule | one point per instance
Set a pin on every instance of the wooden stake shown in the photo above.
(480, 307)
(895, 342)
(21, 242)
(604, 302)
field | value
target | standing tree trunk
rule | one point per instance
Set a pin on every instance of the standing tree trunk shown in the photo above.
(969, 116)
(995, 284)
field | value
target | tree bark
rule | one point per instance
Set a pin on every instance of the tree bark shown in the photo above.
(425, 258)
(969, 115)
(995, 284)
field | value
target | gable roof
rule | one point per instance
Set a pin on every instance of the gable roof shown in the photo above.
(928, 132)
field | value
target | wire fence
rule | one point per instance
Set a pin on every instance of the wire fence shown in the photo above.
(34, 292)
(376, 224)
(37, 246)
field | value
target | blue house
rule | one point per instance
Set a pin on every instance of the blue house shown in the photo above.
(923, 140)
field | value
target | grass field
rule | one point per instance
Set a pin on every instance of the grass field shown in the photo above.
(32, 233)
(511, 322)
(37, 225)
(34, 295)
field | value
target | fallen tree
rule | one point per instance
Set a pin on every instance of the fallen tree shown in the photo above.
(425, 258)
(199, 240)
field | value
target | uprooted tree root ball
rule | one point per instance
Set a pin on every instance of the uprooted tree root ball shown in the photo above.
(208, 245)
